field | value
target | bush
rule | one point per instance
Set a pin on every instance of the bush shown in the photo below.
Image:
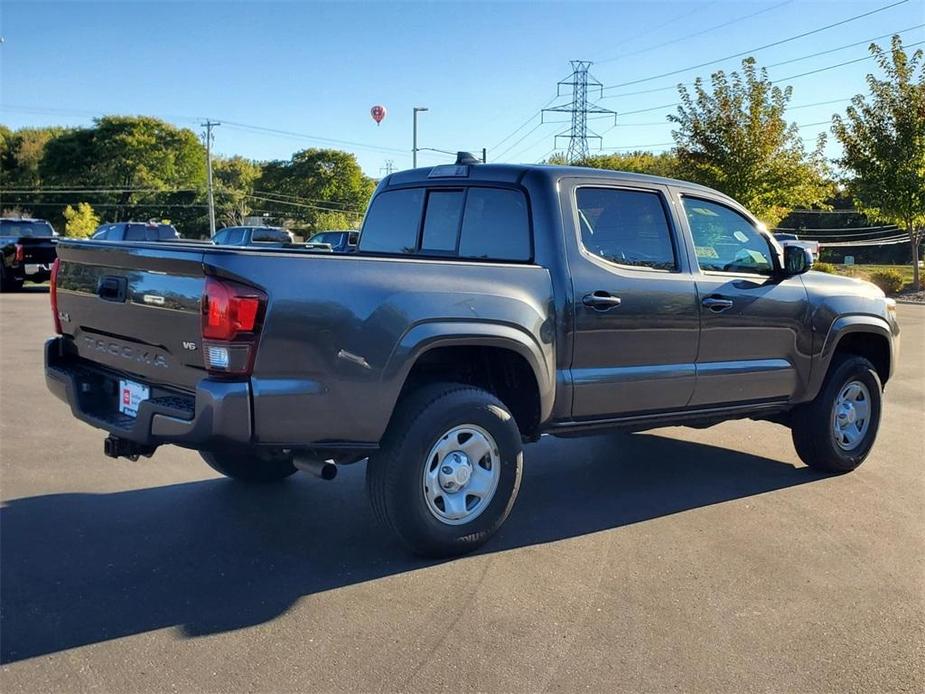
(827, 268)
(890, 281)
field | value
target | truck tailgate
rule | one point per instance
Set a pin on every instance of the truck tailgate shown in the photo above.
(38, 251)
(134, 308)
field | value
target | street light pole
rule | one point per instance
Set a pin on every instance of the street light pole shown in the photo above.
(414, 145)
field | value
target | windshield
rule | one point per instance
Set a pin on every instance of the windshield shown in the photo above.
(14, 227)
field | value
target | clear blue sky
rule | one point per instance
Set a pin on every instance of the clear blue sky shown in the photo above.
(482, 68)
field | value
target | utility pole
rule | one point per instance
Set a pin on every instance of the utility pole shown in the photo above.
(579, 108)
(388, 168)
(208, 125)
(414, 141)
(484, 155)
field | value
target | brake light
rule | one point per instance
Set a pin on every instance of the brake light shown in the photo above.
(231, 318)
(53, 294)
(20, 253)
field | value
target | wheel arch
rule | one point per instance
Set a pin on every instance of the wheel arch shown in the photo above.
(866, 336)
(500, 358)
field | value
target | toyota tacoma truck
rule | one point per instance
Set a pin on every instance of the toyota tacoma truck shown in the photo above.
(486, 305)
(27, 251)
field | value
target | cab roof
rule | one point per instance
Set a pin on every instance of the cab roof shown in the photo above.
(514, 173)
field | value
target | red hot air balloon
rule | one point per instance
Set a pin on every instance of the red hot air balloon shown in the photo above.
(378, 113)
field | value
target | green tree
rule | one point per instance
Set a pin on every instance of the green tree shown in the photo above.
(313, 184)
(80, 222)
(733, 137)
(21, 153)
(654, 163)
(883, 138)
(234, 179)
(153, 169)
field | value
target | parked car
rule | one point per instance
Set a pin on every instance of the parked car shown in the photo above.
(339, 241)
(135, 231)
(252, 236)
(486, 305)
(27, 247)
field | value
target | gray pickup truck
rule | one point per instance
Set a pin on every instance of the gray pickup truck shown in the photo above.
(486, 305)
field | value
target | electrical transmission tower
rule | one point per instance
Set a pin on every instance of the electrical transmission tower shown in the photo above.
(388, 168)
(579, 82)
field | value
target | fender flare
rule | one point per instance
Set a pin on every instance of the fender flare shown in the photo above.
(431, 335)
(842, 326)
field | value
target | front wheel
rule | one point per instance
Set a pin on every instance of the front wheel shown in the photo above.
(448, 471)
(249, 466)
(836, 431)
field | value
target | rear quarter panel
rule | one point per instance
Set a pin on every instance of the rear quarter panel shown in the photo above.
(342, 332)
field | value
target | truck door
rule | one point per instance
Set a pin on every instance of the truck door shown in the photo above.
(755, 343)
(636, 323)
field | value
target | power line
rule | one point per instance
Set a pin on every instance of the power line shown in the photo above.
(651, 30)
(523, 125)
(777, 81)
(299, 204)
(699, 33)
(528, 134)
(758, 48)
(301, 199)
(785, 62)
(315, 138)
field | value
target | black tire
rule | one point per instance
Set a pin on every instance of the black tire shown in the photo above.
(395, 473)
(812, 424)
(249, 466)
(7, 283)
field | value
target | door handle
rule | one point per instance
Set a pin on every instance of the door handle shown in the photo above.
(600, 300)
(112, 289)
(717, 304)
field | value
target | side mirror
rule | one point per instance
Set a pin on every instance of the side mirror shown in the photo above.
(797, 260)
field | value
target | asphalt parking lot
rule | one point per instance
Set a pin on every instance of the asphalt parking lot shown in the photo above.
(691, 560)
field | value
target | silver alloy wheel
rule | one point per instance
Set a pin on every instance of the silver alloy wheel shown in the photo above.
(851, 415)
(461, 474)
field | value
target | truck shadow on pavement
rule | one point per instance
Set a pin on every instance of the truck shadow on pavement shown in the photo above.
(213, 555)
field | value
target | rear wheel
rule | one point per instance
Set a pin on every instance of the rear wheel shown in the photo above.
(448, 470)
(836, 431)
(250, 466)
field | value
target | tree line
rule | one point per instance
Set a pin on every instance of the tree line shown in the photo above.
(141, 168)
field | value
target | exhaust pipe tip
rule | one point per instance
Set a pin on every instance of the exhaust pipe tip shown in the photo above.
(325, 469)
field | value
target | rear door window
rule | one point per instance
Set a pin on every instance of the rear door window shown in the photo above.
(626, 227)
(392, 222)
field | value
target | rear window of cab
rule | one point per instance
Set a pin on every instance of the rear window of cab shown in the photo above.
(476, 223)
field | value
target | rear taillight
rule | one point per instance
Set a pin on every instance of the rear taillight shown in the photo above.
(20, 253)
(54, 295)
(232, 314)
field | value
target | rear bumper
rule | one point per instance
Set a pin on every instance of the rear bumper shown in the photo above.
(217, 415)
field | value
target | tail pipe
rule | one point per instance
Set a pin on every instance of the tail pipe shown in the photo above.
(325, 469)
